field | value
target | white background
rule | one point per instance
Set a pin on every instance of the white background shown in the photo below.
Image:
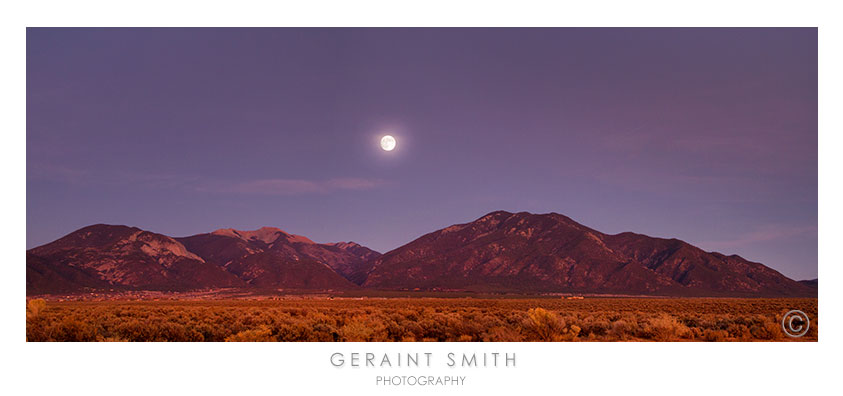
(304, 368)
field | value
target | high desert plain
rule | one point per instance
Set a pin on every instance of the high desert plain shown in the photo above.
(504, 277)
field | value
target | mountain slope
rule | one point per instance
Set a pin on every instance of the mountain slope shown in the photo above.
(814, 283)
(354, 270)
(523, 252)
(499, 252)
(269, 257)
(102, 257)
(120, 257)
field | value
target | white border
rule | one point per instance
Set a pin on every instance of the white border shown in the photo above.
(302, 368)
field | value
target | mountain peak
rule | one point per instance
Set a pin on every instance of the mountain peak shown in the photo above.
(498, 214)
(503, 214)
(264, 234)
(550, 252)
(105, 256)
(103, 226)
(501, 252)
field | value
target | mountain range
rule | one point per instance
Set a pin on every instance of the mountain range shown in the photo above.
(501, 252)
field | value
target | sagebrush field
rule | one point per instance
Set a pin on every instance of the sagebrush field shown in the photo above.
(418, 319)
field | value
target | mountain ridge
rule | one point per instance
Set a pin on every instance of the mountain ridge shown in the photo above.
(525, 252)
(500, 252)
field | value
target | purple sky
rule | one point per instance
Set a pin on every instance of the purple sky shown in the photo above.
(706, 135)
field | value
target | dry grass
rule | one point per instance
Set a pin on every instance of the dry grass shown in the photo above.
(419, 319)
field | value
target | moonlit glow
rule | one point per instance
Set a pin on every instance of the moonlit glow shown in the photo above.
(388, 143)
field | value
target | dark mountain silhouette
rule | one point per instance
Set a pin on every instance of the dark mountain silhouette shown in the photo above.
(523, 252)
(269, 257)
(355, 271)
(499, 252)
(104, 257)
(810, 282)
(119, 257)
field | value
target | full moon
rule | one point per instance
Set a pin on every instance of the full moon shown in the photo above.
(388, 143)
